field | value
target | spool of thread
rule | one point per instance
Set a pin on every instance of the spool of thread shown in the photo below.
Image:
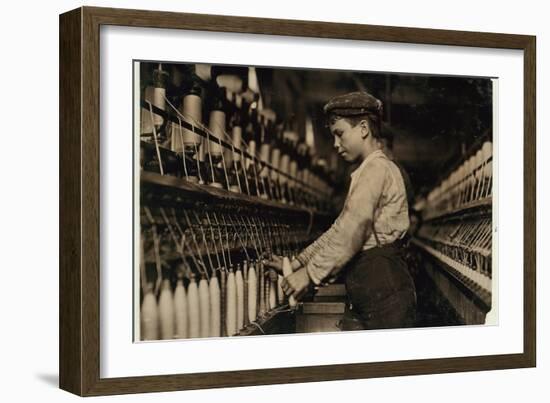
(204, 71)
(237, 138)
(215, 307)
(194, 309)
(262, 288)
(293, 169)
(223, 298)
(266, 294)
(160, 78)
(149, 94)
(204, 307)
(231, 314)
(252, 293)
(275, 160)
(285, 168)
(265, 150)
(202, 151)
(272, 295)
(229, 155)
(166, 311)
(180, 310)
(245, 293)
(149, 315)
(159, 102)
(252, 152)
(146, 123)
(191, 108)
(175, 138)
(233, 83)
(217, 127)
(239, 281)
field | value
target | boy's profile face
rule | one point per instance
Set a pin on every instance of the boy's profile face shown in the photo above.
(348, 139)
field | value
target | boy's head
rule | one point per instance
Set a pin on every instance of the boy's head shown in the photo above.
(354, 120)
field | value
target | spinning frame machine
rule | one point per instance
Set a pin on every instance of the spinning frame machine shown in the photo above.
(216, 197)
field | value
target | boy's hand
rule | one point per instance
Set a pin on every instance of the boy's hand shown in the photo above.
(275, 263)
(297, 283)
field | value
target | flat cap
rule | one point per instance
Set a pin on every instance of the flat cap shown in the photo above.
(353, 104)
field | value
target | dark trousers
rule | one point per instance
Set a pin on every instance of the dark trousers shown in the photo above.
(381, 292)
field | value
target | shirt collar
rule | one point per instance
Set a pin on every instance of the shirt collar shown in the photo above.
(370, 157)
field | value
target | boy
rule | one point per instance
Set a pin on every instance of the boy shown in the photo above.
(365, 241)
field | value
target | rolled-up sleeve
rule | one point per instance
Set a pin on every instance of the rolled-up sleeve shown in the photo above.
(305, 256)
(346, 236)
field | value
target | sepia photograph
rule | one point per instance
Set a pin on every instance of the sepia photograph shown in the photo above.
(273, 200)
(251, 201)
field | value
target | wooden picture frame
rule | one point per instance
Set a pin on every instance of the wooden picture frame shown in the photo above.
(79, 200)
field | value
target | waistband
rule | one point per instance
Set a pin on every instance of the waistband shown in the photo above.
(397, 246)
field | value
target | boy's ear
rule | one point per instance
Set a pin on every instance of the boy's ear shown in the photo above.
(365, 129)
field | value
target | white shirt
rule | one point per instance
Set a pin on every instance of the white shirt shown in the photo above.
(376, 198)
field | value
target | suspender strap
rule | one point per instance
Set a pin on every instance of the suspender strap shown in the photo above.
(375, 236)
